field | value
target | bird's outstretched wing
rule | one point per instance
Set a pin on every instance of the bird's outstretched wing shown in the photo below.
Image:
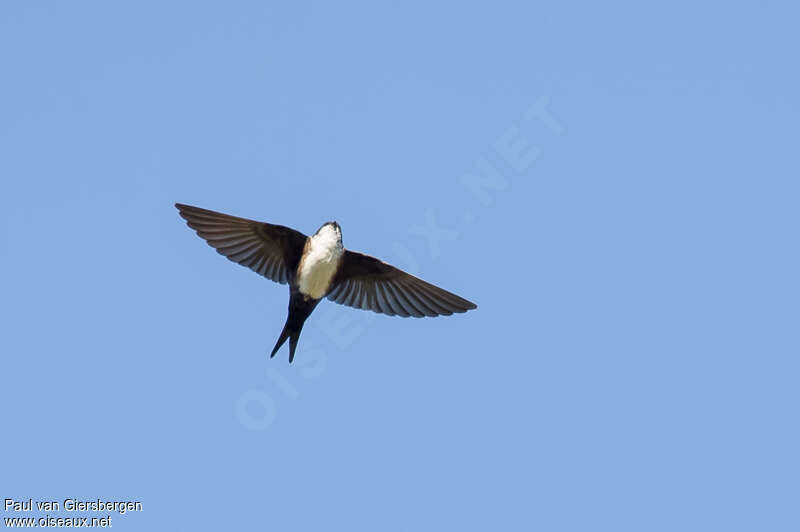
(269, 250)
(367, 283)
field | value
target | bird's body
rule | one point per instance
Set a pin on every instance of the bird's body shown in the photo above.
(319, 266)
(321, 258)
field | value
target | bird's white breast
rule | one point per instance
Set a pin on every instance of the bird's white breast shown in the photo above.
(319, 264)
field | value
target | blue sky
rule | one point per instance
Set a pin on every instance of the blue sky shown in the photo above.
(632, 249)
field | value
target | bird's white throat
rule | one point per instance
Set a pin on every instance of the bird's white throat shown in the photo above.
(320, 261)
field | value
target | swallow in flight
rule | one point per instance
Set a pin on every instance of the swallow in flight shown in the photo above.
(319, 266)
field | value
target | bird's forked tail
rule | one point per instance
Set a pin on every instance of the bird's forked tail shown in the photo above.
(293, 335)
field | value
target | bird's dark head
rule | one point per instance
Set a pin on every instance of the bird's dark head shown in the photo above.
(330, 230)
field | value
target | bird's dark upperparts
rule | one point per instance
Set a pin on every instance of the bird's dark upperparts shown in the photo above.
(319, 266)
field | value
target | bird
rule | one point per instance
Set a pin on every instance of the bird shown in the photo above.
(317, 267)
